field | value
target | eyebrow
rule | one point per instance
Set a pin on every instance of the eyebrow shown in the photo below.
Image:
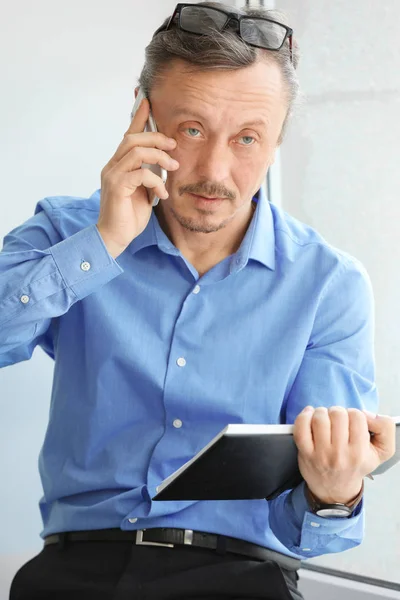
(179, 112)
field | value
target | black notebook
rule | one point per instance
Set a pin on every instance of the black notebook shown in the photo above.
(245, 462)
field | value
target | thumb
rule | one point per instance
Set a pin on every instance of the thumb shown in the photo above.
(383, 434)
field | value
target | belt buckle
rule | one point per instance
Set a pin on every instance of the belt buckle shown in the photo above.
(140, 542)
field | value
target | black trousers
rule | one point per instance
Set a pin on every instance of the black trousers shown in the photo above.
(124, 571)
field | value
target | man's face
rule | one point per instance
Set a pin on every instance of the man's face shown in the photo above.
(227, 126)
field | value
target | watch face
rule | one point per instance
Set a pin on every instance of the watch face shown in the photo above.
(333, 512)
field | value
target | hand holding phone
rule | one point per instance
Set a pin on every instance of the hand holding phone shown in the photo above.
(150, 126)
(125, 202)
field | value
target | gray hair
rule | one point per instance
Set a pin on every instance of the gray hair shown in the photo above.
(221, 50)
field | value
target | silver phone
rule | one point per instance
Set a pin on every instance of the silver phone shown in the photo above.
(150, 126)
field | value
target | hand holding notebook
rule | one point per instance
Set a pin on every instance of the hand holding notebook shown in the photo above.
(245, 462)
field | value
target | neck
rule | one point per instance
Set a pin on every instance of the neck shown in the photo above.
(205, 250)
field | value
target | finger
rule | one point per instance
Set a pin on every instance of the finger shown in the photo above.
(321, 429)
(138, 156)
(339, 426)
(148, 139)
(146, 178)
(358, 428)
(145, 140)
(139, 120)
(302, 433)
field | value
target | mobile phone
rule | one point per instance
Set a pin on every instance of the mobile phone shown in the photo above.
(150, 126)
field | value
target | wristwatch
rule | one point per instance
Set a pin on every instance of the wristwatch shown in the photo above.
(336, 510)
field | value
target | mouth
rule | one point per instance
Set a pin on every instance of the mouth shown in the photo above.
(207, 200)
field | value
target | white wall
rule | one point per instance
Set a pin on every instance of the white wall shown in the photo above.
(340, 174)
(68, 72)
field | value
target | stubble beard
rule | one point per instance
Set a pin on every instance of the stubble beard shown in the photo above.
(199, 225)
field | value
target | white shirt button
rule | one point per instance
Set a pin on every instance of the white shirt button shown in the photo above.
(85, 266)
(25, 299)
(181, 362)
(177, 423)
(132, 520)
(314, 524)
(196, 289)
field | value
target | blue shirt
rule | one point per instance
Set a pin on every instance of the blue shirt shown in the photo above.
(151, 361)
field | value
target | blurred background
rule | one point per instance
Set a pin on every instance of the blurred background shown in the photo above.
(68, 73)
(339, 173)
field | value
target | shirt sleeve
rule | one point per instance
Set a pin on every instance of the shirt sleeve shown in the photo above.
(42, 276)
(338, 368)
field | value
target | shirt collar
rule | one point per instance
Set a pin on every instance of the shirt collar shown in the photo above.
(258, 243)
(153, 235)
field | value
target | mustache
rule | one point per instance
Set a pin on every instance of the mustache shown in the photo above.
(213, 190)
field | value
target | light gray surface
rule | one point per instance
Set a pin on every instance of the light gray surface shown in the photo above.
(315, 586)
(340, 174)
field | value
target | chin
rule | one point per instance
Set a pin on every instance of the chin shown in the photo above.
(200, 223)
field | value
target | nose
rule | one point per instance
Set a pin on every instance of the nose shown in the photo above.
(214, 162)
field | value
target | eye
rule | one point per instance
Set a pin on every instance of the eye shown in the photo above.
(248, 140)
(192, 130)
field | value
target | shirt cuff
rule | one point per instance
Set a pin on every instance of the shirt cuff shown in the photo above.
(84, 262)
(320, 535)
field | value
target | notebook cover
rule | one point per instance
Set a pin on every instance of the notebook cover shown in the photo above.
(247, 466)
(239, 467)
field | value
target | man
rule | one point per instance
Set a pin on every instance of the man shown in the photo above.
(166, 324)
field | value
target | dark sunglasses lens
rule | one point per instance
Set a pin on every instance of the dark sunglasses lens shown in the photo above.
(262, 33)
(201, 20)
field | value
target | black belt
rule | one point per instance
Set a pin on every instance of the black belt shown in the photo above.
(171, 537)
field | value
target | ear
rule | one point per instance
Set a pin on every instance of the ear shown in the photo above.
(273, 158)
(136, 91)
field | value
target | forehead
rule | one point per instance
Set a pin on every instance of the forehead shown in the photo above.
(258, 89)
